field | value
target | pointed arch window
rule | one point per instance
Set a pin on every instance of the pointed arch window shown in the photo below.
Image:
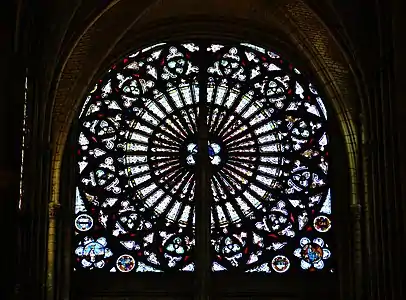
(176, 137)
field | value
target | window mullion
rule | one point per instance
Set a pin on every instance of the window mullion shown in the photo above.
(203, 193)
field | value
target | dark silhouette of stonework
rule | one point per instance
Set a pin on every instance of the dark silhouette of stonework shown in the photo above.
(353, 50)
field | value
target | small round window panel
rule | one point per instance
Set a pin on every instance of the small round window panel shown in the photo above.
(138, 159)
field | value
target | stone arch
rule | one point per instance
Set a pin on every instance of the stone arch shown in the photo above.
(289, 26)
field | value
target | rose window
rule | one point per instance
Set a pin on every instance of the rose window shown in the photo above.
(139, 163)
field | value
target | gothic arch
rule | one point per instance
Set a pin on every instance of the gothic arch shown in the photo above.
(289, 26)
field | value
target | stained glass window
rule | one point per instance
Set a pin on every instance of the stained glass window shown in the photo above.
(138, 158)
(20, 201)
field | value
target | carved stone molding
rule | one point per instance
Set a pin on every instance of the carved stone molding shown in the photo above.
(54, 210)
(356, 210)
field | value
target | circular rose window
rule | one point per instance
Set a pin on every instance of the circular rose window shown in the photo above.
(138, 163)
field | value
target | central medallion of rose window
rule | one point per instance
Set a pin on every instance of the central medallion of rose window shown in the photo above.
(213, 149)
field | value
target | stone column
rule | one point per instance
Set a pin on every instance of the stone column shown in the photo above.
(398, 23)
(386, 268)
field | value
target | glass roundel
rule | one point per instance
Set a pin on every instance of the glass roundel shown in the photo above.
(137, 163)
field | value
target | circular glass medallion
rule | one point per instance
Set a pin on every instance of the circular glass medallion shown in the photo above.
(176, 246)
(83, 222)
(312, 253)
(125, 263)
(322, 224)
(231, 247)
(94, 252)
(280, 263)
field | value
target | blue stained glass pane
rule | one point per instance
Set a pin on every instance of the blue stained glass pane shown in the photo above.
(211, 151)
